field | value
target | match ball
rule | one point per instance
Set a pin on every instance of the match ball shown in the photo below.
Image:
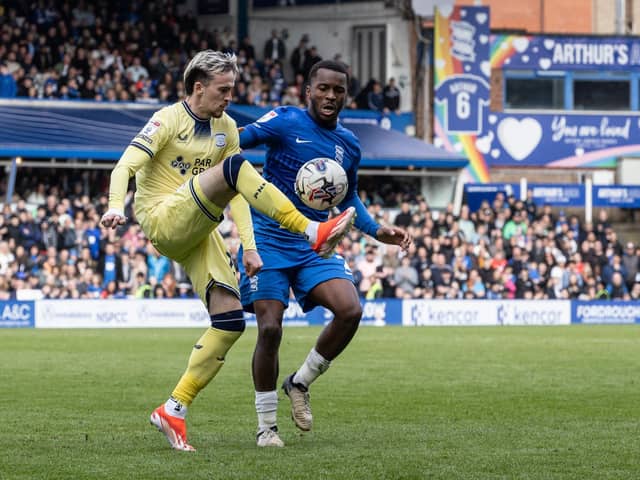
(321, 183)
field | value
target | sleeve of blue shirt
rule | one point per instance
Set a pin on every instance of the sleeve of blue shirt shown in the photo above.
(263, 132)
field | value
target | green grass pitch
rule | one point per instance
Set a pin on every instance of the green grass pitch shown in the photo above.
(400, 403)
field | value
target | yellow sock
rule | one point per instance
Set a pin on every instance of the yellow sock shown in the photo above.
(266, 198)
(206, 360)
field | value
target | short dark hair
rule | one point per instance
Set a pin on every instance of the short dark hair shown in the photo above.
(339, 67)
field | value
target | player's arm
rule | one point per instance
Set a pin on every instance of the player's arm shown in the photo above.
(365, 222)
(264, 130)
(131, 161)
(142, 148)
(242, 218)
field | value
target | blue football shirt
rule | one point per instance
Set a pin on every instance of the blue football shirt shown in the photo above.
(292, 138)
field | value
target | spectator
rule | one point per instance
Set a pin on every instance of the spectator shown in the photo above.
(403, 218)
(143, 289)
(8, 85)
(631, 263)
(367, 266)
(361, 100)
(241, 95)
(311, 58)
(516, 225)
(110, 265)
(375, 99)
(248, 48)
(616, 288)
(391, 94)
(274, 48)
(353, 88)
(405, 277)
(291, 96)
(296, 61)
(159, 265)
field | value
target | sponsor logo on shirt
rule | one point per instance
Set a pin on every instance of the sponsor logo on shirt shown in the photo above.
(181, 165)
(144, 138)
(194, 166)
(150, 128)
(267, 116)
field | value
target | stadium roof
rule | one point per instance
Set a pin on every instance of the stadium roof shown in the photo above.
(100, 131)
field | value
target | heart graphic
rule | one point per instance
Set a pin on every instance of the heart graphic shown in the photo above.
(519, 137)
(493, 119)
(484, 39)
(485, 67)
(579, 151)
(521, 44)
(467, 68)
(458, 147)
(481, 17)
(438, 142)
(549, 43)
(483, 144)
(525, 58)
(495, 153)
(440, 63)
(544, 63)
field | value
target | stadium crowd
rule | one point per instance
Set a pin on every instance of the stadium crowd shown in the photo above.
(51, 243)
(52, 246)
(135, 51)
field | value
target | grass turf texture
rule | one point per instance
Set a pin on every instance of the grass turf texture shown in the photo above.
(400, 403)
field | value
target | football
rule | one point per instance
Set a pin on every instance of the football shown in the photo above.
(321, 183)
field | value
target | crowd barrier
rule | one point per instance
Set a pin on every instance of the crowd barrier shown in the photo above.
(191, 313)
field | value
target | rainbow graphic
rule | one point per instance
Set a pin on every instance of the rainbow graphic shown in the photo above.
(461, 49)
(503, 48)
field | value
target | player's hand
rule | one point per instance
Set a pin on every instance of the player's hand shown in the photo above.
(394, 236)
(113, 218)
(252, 262)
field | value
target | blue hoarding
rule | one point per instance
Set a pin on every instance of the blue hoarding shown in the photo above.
(15, 314)
(603, 312)
(616, 196)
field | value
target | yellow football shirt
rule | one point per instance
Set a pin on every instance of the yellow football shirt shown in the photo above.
(178, 145)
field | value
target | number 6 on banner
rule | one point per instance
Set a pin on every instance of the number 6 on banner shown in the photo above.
(463, 105)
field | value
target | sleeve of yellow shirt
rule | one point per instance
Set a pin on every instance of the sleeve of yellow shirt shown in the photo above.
(242, 218)
(131, 161)
(149, 141)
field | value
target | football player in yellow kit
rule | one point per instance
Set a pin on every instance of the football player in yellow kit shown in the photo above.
(188, 167)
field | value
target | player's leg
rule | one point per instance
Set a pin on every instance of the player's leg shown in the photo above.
(182, 232)
(236, 175)
(267, 295)
(336, 292)
(265, 369)
(206, 359)
(341, 297)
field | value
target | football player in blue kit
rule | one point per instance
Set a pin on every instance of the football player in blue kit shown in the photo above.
(294, 136)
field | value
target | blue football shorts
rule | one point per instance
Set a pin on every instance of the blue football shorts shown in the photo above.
(275, 284)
